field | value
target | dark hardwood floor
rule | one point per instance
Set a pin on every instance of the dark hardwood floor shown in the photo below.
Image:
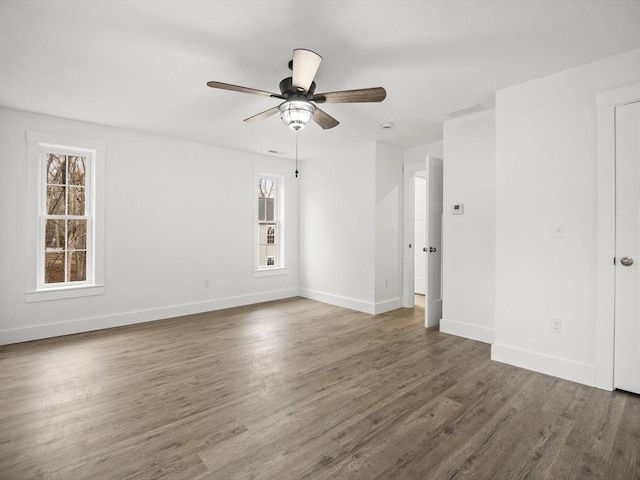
(297, 389)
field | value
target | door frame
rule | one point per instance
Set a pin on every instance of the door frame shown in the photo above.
(606, 227)
(409, 171)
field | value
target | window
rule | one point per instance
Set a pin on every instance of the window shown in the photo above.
(270, 221)
(66, 219)
(64, 212)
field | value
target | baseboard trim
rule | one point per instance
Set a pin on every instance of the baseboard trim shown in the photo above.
(558, 367)
(351, 303)
(388, 305)
(338, 301)
(37, 332)
(466, 330)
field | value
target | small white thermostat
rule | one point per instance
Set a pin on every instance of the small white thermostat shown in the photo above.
(457, 209)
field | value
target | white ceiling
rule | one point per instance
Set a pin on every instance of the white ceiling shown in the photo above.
(143, 65)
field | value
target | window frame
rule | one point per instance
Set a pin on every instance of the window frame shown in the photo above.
(280, 177)
(45, 150)
(39, 145)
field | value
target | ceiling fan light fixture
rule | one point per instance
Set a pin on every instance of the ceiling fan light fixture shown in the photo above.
(296, 113)
(298, 93)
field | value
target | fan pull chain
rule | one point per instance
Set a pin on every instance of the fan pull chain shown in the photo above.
(296, 154)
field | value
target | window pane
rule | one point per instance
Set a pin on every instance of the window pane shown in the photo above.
(54, 267)
(76, 201)
(266, 209)
(262, 253)
(77, 234)
(77, 266)
(55, 200)
(269, 209)
(266, 199)
(77, 170)
(266, 188)
(56, 169)
(54, 235)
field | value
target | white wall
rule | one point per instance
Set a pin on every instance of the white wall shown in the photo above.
(388, 228)
(468, 240)
(546, 174)
(419, 153)
(337, 228)
(351, 211)
(176, 213)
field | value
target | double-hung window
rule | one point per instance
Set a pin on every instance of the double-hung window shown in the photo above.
(270, 222)
(65, 212)
(66, 219)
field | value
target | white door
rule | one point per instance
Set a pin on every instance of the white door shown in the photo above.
(627, 276)
(433, 300)
(420, 232)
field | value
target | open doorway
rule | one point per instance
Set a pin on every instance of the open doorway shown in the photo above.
(422, 279)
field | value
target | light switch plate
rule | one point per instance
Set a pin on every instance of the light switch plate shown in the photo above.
(557, 230)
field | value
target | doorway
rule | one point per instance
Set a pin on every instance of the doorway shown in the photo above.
(422, 260)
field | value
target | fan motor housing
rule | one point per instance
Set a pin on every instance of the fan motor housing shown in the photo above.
(288, 91)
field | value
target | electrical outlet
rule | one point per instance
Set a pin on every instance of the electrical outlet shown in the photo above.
(556, 325)
(206, 284)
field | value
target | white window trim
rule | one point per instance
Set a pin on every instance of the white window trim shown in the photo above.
(35, 290)
(282, 177)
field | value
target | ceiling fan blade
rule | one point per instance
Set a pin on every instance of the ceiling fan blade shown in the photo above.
(305, 66)
(325, 120)
(376, 94)
(238, 88)
(262, 115)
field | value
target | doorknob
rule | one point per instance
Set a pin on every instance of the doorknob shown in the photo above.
(432, 249)
(626, 261)
(424, 249)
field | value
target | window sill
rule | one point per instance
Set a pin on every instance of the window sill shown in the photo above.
(270, 272)
(63, 293)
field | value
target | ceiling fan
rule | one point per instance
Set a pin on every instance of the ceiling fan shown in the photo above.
(298, 93)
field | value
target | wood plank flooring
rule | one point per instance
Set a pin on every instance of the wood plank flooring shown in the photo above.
(297, 389)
